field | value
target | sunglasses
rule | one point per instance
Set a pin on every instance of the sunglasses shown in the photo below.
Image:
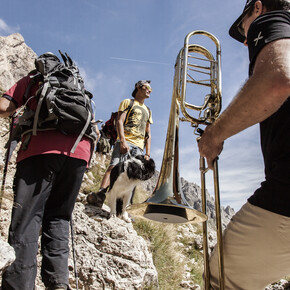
(147, 87)
(240, 26)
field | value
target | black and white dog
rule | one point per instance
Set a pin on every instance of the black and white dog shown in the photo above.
(123, 179)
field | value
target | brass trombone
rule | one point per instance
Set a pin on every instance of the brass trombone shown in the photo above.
(168, 203)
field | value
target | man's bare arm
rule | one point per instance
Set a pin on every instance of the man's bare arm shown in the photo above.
(148, 140)
(261, 96)
(120, 129)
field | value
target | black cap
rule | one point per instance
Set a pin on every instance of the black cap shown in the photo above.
(234, 31)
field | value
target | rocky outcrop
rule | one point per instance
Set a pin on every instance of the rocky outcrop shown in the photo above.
(16, 59)
(7, 256)
(109, 253)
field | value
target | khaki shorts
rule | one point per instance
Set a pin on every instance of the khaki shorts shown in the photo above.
(256, 250)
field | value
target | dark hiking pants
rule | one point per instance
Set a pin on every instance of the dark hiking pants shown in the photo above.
(45, 188)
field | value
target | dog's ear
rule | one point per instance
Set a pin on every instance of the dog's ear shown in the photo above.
(150, 164)
(149, 169)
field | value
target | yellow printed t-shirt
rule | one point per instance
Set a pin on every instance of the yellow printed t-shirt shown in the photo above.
(136, 121)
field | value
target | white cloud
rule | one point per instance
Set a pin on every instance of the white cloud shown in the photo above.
(91, 81)
(138, 60)
(6, 29)
(108, 90)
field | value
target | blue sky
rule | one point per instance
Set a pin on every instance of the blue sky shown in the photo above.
(118, 42)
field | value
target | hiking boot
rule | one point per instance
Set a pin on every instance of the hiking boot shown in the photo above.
(58, 287)
(97, 198)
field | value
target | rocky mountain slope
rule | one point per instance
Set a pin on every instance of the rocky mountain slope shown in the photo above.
(108, 253)
(16, 59)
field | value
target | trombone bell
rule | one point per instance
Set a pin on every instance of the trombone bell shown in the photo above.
(167, 203)
(167, 212)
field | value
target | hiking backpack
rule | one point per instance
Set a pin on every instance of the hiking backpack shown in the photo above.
(110, 126)
(110, 129)
(63, 102)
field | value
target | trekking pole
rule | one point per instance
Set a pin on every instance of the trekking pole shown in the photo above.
(73, 252)
(6, 161)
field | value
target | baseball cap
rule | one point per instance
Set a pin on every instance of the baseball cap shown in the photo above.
(138, 85)
(234, 31)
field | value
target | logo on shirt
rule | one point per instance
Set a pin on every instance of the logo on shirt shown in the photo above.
(259, 37)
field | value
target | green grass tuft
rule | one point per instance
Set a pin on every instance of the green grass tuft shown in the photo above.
(166, 256)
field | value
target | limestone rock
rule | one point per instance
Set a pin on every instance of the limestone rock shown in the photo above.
(109, 253)
(7, 256)
(16, 59)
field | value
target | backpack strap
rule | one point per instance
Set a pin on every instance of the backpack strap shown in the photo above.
(128, 109)
(146, 134)
(83, 130)
(149, 112)
(34, 78)
(43, 92)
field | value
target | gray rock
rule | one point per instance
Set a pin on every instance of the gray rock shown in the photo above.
(109, 253)
(7, 256)
(16, 59)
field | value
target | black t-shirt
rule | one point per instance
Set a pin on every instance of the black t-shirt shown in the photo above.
(274, 193)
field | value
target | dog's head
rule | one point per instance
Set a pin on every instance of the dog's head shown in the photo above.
(140, 168)
(148, 167)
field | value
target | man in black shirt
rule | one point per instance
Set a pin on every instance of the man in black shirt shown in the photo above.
(256, 241)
